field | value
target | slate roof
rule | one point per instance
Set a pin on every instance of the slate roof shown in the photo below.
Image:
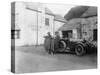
(91, 11)
(81, 12)
(60, 18)
(73, 23)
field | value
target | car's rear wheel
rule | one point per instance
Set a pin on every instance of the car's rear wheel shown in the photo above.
(79, 50)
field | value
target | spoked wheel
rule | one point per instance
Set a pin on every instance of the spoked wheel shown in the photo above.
(62, 46)
(79, 50)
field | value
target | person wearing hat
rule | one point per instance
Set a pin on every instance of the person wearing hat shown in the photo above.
(47, 42)
(57, 38)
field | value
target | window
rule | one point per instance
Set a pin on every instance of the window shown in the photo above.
(67, 34)
(85, 33)
(47, 21)
(15, 34)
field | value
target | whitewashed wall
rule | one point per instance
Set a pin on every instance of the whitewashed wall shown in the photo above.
(58, 24)
(43, 29)
(27, 22)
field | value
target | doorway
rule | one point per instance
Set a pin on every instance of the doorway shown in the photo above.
(95, 35)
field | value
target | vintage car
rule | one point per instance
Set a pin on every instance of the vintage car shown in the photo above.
(77, 46)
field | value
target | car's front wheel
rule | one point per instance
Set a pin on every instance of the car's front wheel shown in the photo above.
(62, 46)
(79, 50)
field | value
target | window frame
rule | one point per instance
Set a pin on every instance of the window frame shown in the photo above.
(15, 34)
(47, 21)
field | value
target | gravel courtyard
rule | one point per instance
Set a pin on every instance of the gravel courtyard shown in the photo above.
(35, 59)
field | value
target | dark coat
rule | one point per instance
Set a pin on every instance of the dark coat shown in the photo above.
(51, 43)
(47, 42)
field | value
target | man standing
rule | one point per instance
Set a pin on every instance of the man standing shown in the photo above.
(47, 42)
(56, 41)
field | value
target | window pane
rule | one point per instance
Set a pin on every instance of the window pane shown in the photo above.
(47, 21)
(12, 34)
(15, 34)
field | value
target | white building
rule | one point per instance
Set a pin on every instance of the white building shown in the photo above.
(59, 21)
(31, 22)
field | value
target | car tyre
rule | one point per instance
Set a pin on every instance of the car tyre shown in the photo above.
(79, 50)
(63, 45)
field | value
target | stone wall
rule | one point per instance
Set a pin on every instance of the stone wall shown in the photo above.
(87, 29)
